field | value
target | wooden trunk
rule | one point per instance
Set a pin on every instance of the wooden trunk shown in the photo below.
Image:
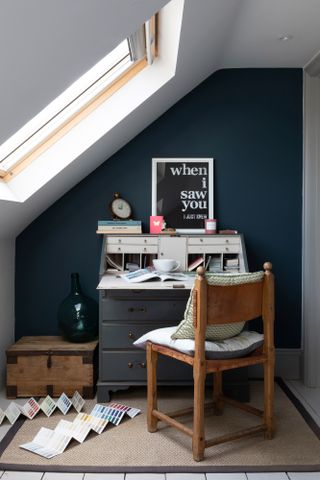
(40, 366)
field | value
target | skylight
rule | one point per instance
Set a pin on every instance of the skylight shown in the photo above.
(102, 126)
(74, 100)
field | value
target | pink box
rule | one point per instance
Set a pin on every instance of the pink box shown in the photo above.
(156, 223)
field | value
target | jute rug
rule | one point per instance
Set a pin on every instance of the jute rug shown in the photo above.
(130, 448)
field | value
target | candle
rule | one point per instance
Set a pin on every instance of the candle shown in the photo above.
(210, 226)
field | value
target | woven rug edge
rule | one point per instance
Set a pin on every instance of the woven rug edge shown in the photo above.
(169, 469)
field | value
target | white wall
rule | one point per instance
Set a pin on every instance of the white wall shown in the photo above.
(311, 227)
(7, 254)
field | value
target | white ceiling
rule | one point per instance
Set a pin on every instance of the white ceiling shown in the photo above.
(46, 45)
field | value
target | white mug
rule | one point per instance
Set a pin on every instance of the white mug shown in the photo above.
(166, 264)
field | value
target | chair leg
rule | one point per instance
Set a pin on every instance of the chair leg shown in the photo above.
(198, 440)
(269, 397)
(217, 393)
(152, 360)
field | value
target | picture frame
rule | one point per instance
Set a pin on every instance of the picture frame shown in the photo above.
(182, 192)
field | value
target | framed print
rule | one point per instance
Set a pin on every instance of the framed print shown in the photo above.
(182, 192)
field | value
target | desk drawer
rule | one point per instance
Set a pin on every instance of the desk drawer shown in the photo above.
(226, 248)
(123, 336)
(132, 248)
(214, 240)
(115, 240)
(132, 366)
(139, 307)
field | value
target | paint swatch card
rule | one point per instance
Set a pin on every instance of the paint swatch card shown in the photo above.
(132, 412)
(113, 415)
(2, 416)
(40, 440)
(64, 403)
(84, 419)
(47, 443)
(30, 409)
(48, 406)
(76, 430)
(96, 423)
(104, 412)
(93, 423)
(77, 401)
(12, 412)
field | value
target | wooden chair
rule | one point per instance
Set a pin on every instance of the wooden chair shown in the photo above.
(220, 305)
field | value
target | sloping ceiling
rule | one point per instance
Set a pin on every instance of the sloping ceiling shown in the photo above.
(45, 46)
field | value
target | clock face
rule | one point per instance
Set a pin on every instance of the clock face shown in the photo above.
(121, 208)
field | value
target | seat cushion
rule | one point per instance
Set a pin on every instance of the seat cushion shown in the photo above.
(185, 328)
(237, 346)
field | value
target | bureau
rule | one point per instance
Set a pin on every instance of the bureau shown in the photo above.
(127, 311)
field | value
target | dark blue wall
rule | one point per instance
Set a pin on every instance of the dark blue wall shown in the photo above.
(250, 121)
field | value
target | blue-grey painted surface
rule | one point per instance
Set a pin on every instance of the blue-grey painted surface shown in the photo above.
(250, 121)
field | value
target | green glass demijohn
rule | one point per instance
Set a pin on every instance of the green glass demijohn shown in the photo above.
(78, 315)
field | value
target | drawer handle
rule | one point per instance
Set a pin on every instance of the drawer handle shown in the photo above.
(131, 335)
(130, 365)
(137, 309)
(227, 249)
(227, 241)
(119, 240)
(119, 249)
(142, 365)
(145, 240)
(201, 239)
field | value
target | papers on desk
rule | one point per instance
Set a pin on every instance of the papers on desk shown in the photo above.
(115, 281)
(145, 274)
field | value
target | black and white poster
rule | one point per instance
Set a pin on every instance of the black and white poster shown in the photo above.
(182, 191)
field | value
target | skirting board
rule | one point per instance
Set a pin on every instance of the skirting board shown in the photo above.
(288, 364)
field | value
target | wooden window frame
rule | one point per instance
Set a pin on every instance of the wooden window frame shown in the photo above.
(84, 111)
(64, 128)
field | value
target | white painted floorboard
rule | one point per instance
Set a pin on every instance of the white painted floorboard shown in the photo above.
(226, 476)
(61, 476)
(145, 476)
(185, 476)
(104, 476)
(22, 476)
(304, 475)
(309, 397)
(267, 476)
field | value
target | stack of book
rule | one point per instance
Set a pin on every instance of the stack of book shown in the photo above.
(130, 227)
(214, 264)
(231, 265)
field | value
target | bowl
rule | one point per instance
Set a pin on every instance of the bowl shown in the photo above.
(166, 265)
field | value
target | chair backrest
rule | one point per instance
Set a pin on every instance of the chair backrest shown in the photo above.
(234, 303)
(214, 304)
